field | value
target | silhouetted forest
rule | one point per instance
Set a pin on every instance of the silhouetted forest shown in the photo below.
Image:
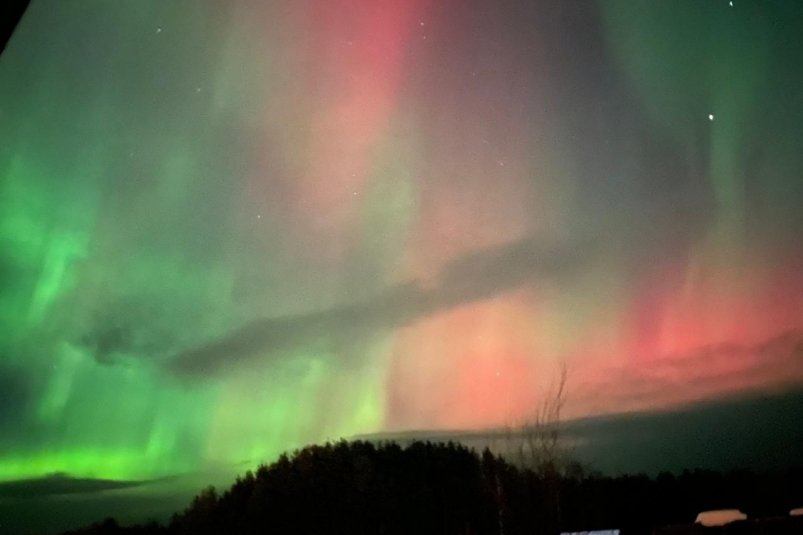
(431, 488)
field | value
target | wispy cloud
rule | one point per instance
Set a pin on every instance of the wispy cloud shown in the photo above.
(705, 373)
(473, 277)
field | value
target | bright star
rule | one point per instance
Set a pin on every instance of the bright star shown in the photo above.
(710, 116)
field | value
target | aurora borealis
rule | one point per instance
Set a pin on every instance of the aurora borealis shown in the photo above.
(233, 228)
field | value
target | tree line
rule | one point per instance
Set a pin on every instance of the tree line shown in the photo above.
(445, 488)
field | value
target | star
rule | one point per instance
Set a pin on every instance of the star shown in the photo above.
(730, 4)
(710, 116)
(159, 30)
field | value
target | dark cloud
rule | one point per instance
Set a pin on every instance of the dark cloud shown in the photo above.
(122, 328)
(108, 340)
(758, 432)
(475, 276)
(745, 431)
(59, 484)
(72, 502)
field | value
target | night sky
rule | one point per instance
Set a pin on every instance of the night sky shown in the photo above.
(228, 229)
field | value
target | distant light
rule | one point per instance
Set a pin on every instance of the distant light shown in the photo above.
(719, 517)
(797, 511)
(710, 116)
(730, 4)
(158, 30)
